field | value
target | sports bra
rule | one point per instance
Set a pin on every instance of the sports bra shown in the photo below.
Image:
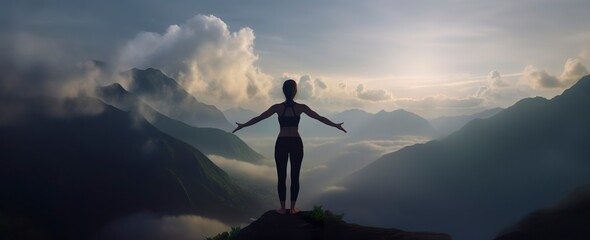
(289, 121)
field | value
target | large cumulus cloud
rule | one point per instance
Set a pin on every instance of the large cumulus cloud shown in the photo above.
(374, 95)
(539, 78)
(212, 62)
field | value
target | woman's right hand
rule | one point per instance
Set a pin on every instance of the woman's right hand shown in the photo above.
(240, 126)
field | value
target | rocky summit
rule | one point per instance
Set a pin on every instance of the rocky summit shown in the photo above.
(302, 226)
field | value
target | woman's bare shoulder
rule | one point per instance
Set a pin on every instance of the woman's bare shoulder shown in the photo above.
(277, 106)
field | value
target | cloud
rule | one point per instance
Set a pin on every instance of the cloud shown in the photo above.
(537, 78)
(24, 50)
(308, 88)
(315, 168)
(439, 102)
(572, 72)
(35, 77)
(147, 226)
(245, 169)
(305, 87)
(585, 53)
(209, 60)
(494, 88)
(374, 95)
(322, 93)
(329, 189)
(32, 66)
(495, 80)
(320, 84)
(376, 148)
(504, 90)
(486, 91)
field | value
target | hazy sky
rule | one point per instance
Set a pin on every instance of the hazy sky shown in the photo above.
(430, 57)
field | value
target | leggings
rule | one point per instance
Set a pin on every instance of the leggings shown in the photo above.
(285, 147)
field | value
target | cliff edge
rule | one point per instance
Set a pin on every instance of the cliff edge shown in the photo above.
(308, 225)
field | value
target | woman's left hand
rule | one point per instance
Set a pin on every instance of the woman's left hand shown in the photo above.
(339, 126)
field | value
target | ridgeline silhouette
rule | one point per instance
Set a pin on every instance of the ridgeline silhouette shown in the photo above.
(168, 97)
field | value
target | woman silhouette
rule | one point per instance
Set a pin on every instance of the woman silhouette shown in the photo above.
(289, 142)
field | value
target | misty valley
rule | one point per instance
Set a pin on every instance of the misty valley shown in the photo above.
(137, 153)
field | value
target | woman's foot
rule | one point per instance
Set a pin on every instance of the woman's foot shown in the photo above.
(295, 210)
(281, 211)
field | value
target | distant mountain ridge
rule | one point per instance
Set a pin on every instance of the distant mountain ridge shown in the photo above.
(360, 125)
(503, 167)
(385, 125)
(168, 97)
(352, 118)
(266, 128)
(66, 176)
(446, 125)
(207, 140)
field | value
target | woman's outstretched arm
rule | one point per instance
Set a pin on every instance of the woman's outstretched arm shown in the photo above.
(262, 116)
(322, 119)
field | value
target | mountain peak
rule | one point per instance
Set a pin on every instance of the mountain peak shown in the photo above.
(355, 110)
(584, 82)
(165, 95)
(397, 111)
(153, 80)
(115, 86)
(272, 225)
(99, 64)
(154, 70)
(150, 71)
(114, 89)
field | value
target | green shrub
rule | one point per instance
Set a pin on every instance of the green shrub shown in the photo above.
(318, 214)
(227, 235)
